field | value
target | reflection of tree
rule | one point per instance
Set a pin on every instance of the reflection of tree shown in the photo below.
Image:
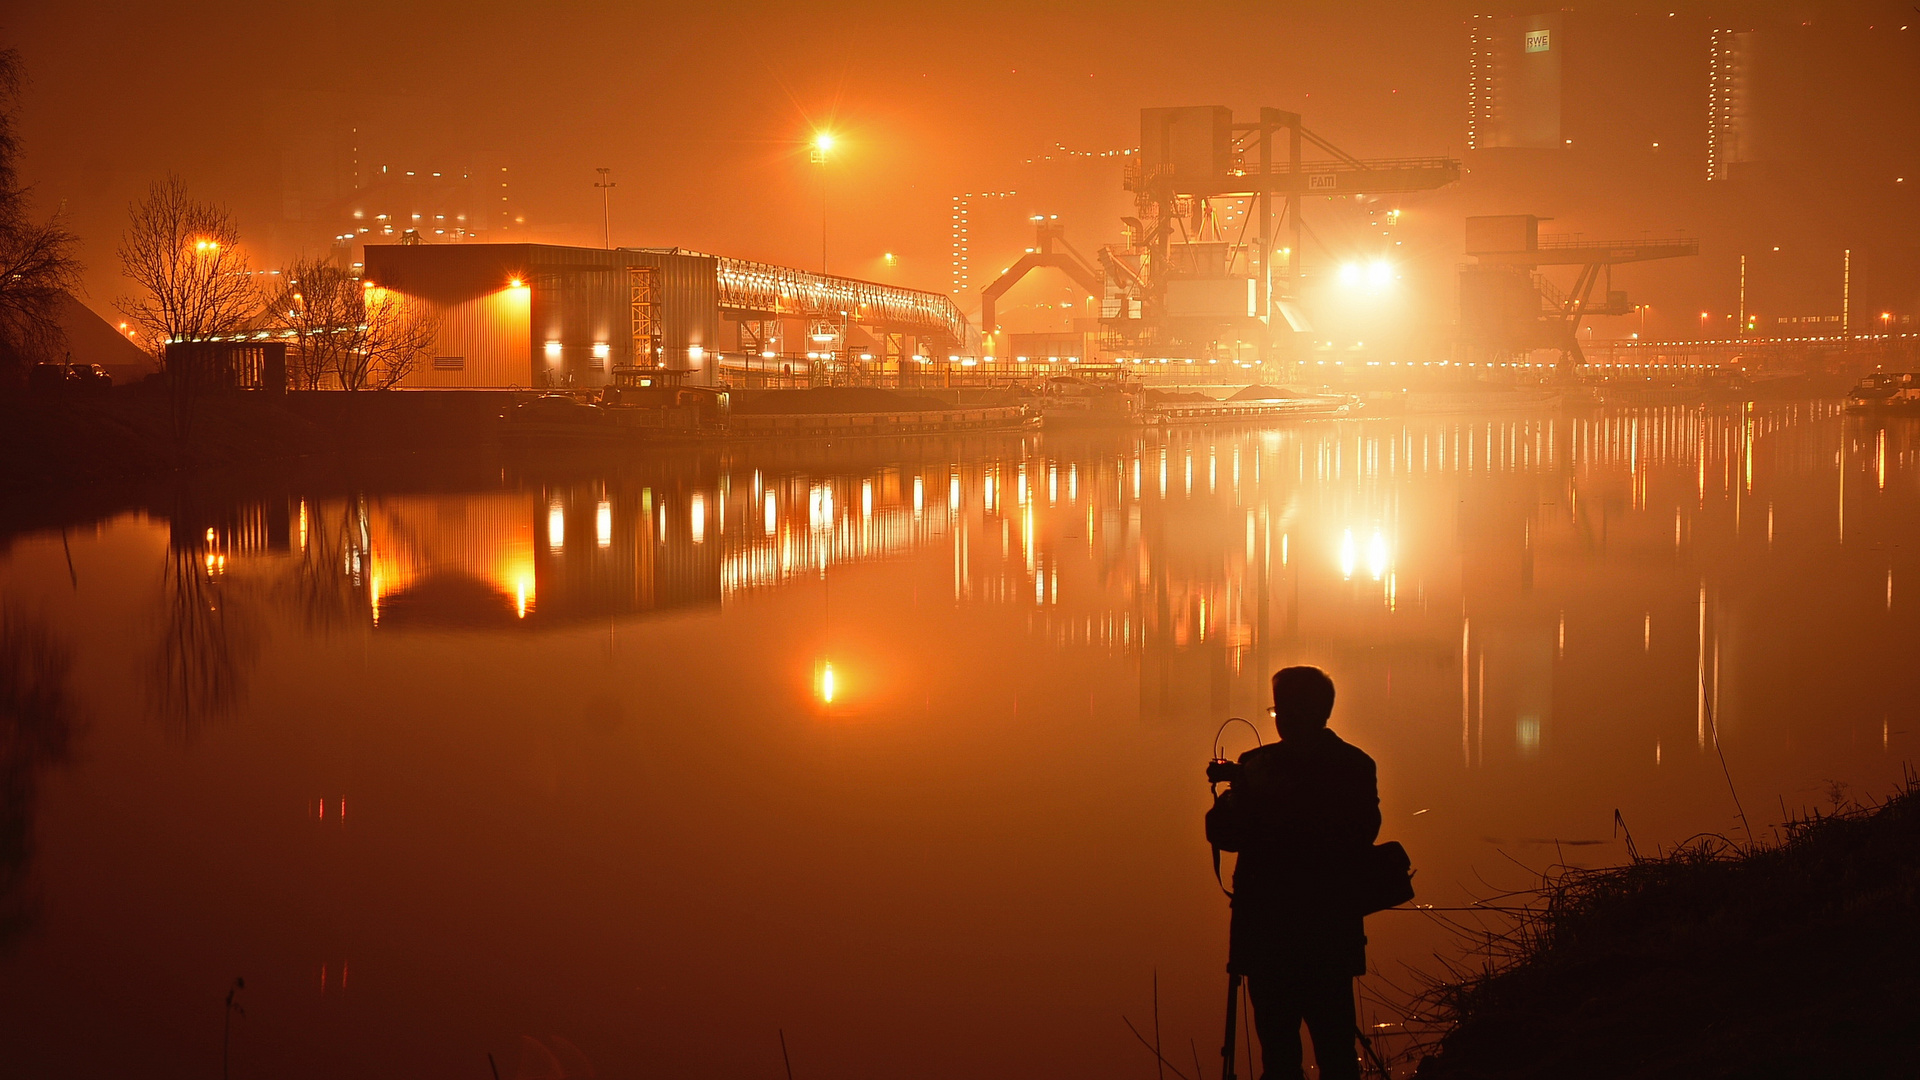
(206, 646)
(328, 584)
(36, 731)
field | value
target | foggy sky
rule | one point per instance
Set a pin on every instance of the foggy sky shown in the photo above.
(703, 113)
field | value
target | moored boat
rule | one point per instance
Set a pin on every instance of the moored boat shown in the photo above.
(1311, 407)
(1075, 401)
(857, 424)
(1890, 392)
(559, 419)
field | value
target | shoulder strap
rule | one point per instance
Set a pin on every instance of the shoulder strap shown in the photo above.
(1217, 879)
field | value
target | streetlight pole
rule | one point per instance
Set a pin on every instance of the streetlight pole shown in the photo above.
(606, 204)
(822, 142)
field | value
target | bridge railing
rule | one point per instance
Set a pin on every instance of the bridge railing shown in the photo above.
(754, 286)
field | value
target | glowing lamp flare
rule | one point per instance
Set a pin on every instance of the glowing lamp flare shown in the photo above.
(826, 684)
(1374, 276)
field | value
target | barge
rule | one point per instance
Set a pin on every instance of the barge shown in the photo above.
(1893, 393)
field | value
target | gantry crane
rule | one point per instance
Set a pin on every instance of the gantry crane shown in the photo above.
(1191, 158)
(1047, 229)
(1506, 307)
(1180, 282)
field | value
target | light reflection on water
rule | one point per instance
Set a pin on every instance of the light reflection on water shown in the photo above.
(899, 750)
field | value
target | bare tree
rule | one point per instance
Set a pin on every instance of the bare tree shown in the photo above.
(348, 331)
(396, 332)
(319, 306)
(185, 255)
(37, 261)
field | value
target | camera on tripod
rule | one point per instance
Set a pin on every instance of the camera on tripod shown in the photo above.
(1223, 771)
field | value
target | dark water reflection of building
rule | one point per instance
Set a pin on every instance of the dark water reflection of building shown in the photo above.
(1404, 545)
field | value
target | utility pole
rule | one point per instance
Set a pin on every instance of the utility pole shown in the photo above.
(606, 204)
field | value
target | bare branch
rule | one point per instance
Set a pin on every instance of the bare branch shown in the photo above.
(37, 261)
(349, 333)
(399, 331)
(185, 254)
(318, 305)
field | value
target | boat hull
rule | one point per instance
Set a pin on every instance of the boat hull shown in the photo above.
(856, 425)
(1261, 412)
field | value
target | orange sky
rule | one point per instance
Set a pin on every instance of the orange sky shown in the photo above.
(702, 114)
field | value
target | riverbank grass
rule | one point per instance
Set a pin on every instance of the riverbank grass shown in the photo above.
(1800, 958)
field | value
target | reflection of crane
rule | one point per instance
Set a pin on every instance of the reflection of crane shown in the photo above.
(1046, 229)
(1505, 307)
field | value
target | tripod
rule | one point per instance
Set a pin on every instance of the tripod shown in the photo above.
(1233, 1017)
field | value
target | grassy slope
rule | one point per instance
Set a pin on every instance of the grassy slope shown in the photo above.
(1801, 960)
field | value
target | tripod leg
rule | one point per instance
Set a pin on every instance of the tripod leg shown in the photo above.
(1233, 1009)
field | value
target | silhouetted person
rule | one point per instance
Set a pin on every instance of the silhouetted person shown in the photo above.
(1304, 812)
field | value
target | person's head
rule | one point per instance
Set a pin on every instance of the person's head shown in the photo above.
(1302, 700)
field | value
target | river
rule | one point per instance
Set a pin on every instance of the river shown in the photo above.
(892, 751)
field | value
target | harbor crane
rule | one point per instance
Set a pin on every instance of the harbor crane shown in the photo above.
(1507, 307)
(1186, 273)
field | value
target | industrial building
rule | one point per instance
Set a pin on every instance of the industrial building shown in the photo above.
(547, 316)
(1185, 282)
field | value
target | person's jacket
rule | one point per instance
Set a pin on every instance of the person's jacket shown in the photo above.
(1302, 816)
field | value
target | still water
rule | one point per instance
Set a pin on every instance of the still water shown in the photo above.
(625, 771)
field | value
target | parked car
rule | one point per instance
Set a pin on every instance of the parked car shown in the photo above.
(91, 377)
(67, 378)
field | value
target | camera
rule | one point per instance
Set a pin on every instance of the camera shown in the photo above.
(1222, 771)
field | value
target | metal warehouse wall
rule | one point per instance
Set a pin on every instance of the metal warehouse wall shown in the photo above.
(573, 303)
(481, 343)
(689, 290)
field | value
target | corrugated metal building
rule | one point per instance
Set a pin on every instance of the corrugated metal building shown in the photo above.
(541, 315)
(536, 315)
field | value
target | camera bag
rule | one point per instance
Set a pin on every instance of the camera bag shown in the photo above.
(1386, 878)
